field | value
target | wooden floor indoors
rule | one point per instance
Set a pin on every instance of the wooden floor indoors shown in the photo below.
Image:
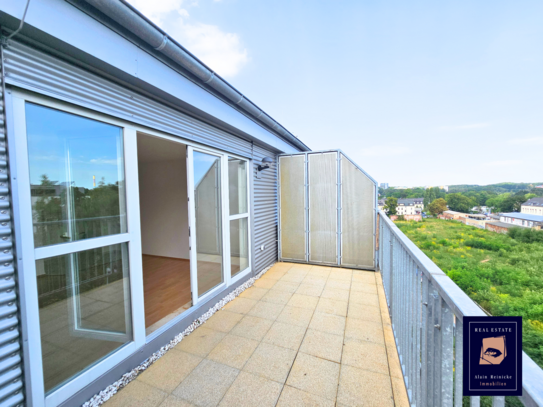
(166, 286)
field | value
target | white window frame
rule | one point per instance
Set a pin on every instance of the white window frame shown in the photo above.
(28, 254)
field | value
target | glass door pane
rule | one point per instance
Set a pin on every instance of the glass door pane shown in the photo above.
(239, 245)
(206, 170)
(84, 308)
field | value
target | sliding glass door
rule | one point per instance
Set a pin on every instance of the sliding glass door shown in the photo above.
(219, 220)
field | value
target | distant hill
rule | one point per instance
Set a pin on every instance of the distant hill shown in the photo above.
(500, 188)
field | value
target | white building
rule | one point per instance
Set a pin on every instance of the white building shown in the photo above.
(533, 206)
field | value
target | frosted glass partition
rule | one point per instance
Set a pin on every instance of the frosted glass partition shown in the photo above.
(323, 204)
(357, 217)
(292, 218)
(327, 210)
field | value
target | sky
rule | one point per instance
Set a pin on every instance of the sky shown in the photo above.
(418, 93)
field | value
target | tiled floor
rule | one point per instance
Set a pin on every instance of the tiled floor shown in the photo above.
(302, 336)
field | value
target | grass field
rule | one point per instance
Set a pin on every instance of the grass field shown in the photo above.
(503, 275)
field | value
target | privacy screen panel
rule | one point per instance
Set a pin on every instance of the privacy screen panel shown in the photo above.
(292, 204)
(357, 217)
(323, 217)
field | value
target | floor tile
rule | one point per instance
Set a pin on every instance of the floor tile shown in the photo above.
(341, 274)
(270, 361)
(322, 345)
(335, 307)
(273, 275)
(223, 321)
(365, 355)
(265, 283)
(252, 327)
(207, 384)
(340, 284)
(359, 387)
(293, 278)
(291, 397)
(295, 316)
(303, 301)
(332, 324)
(314, 375)
(315, 280)
(399, 392)
(170, 370)
(362, 311)
(313, 290)
(364, 330)
(254, 293)
(249, 390)
(364, 277)
(137, 394)
(173, 401)
(285, 335)
(267, 310)
(359, 297)
(363, 287)
(201, 341)
(335, 294)
(287, 286)
(233, 351)
(240, 305)
(277, 297)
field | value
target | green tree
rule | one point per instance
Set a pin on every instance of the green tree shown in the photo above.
(513, 202)
(437, 206)
(460, 203)
(391, 205)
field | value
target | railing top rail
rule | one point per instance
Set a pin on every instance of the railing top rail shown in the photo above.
(461, 304)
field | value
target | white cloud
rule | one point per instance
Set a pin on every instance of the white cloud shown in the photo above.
(502, 163)
(531, 141)
(221, 51)
(466, 126)
(384, 151)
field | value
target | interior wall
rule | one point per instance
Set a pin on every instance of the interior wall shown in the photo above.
(163, 200)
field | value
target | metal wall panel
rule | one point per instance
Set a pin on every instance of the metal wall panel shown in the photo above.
(11, 380)
(293, 220)
(323, 204)
(357, 217)
(265, 211)
(31, 69)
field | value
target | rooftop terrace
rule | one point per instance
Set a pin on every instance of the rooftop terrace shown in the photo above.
(303, 335)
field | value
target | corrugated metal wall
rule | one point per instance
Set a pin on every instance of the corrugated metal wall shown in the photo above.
(265, 211)
(29, 68)
(11, 381)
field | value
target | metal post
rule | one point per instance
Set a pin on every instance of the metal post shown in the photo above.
(498, 401)
(437, 349)
(459, 363)
(475, 401)
(430, 347)
(447, 345)
(391, 276)
(424, 343)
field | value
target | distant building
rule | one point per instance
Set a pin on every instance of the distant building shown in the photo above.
(539, 186)
(533, 206)
(522, 219)
(407, 206)
(481, 209)
(498, 227)
(384, 185)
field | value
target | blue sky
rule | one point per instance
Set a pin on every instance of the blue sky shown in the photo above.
(416, 92)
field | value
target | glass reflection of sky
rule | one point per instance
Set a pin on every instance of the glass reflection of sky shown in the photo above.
(93, 148)
(202, 164)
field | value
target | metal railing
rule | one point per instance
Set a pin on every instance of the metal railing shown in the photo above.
(427, 309)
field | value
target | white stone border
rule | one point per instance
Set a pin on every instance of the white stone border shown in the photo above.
(112, 389)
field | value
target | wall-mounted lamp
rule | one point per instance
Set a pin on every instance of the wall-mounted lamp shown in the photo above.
(266, 161)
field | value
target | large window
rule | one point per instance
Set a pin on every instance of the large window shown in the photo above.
(77, 190)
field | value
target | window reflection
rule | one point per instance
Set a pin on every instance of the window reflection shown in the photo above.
(237, 184)
(76, 176)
